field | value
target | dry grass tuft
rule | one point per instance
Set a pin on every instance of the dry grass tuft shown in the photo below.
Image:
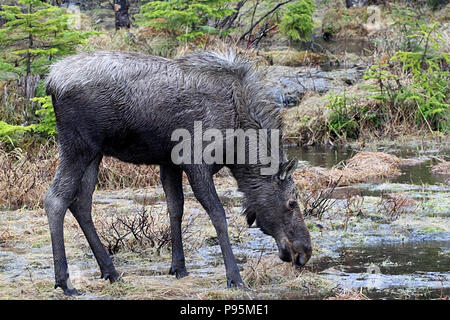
(442, 168)
(311, 179)
(115, 174)
(317, 184)
(5, 236)
(26, 176)
(365, 166)
(307, 124)
(261, 271)
(383, 163)
(362, 167)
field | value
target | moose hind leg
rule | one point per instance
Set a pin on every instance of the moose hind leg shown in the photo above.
(81, 209)
(57, 199)
(171, 179)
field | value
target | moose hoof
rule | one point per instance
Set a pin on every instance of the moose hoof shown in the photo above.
(67, 288)
(179, 273)
(111, 276)
(72, 292)
(235, 284)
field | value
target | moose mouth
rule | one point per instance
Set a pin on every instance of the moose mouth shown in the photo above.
(298, 259)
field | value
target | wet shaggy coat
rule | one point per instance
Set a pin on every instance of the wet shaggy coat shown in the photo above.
(127, 105)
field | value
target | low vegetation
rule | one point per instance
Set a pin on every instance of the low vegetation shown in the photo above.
(406, 91)
(442, 167)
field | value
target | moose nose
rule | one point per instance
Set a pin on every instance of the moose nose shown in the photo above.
(307, 249)
(304, 252)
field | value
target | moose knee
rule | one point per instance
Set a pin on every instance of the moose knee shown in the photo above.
(54, 206)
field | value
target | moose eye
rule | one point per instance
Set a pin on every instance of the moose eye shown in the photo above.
(292, 204)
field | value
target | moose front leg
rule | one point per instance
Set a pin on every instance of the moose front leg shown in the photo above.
(171, 179)
(202, 184)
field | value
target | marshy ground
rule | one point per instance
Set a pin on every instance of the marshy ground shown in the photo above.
(386, 230)
(388, 238)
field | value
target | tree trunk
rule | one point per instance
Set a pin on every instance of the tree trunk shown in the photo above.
(121, 10)
(249, 31)
(2, 20)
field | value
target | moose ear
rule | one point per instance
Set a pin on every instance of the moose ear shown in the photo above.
(251, 217)
(287, 168)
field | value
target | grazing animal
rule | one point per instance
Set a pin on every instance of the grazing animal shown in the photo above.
(127, 105)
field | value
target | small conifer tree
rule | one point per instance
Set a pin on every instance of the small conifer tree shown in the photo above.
(35, 33)
(296, 22)
(33, 36)
(184, 19)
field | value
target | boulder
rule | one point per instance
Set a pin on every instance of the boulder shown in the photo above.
(288, 85)
(361, 3)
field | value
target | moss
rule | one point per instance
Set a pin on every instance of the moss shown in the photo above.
(312, 226)
(431, 229)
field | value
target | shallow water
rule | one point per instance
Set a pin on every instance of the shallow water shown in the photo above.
(385, 271)
(397, 259)
(417, 172)
(321, 156)
(418, 268)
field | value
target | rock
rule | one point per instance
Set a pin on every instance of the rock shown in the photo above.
(355, 3)
(82, 4)
(288, 84)
(362, 3)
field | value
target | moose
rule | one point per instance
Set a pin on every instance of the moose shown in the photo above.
(127, 105)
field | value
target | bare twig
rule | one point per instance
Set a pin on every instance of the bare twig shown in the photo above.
(262, 18)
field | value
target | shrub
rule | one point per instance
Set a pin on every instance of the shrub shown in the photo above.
(45, 126)
(409, 90)
(139, 232)
(343, 118)
(25, 177)
(416, 81)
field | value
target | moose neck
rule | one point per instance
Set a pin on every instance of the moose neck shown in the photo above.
(249, 179)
